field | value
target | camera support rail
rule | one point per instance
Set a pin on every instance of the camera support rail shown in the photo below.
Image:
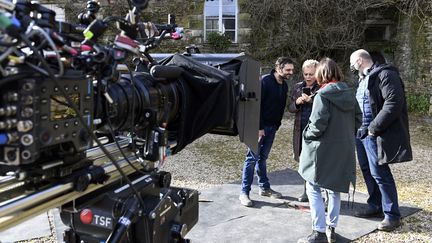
(19, 205)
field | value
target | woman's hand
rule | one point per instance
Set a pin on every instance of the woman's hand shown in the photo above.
(307, 98)
(304, 98)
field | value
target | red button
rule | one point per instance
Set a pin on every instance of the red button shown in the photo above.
(86, 216)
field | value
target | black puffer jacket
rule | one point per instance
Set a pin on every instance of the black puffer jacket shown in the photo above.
(389, 108)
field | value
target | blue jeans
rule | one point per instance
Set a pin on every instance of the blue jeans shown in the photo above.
(378, 178)
(317, 207)
(258, 161)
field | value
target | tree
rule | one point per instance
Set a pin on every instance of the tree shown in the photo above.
(316, 28)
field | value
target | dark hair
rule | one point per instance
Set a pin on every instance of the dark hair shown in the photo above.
(282, 61)
(377, 57)
(327, 71)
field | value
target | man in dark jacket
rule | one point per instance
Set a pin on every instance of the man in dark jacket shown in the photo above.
(383, 137)
(273, 100)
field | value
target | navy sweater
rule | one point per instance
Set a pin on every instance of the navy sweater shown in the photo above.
(273, 101)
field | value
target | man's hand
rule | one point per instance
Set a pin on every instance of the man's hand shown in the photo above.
(260, 134)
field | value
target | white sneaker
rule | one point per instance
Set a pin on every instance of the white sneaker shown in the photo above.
(245, 200)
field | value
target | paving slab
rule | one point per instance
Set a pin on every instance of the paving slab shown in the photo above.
(35, 227)
(223, 219)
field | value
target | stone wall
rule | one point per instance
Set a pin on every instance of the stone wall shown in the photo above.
(413, 55)
(407, 42)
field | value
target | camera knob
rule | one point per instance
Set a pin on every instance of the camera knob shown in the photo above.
(24, 126)
(27, 112)
(27, 139)
(45, 137)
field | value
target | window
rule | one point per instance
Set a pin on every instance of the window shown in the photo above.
(60, 12)
(221, 16)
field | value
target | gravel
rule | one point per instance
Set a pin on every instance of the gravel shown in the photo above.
(213, 160)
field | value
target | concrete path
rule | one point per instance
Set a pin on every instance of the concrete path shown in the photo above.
(223, 219)
(35, 227)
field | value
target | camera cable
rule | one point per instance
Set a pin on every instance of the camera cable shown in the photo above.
(74, 107)
(118, 145)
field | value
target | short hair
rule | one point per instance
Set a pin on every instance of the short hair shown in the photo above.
(310, 63)
(363, 54)
(327, 71)
(282, 61)
(377, 57)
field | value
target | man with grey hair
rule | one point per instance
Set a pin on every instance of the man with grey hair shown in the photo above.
(383, 137)
(273, 100)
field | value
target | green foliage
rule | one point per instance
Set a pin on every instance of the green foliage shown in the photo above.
(219, 43)
(313, 29)
(418, 103)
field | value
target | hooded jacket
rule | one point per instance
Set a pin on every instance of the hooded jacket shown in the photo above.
(327, 158)
(389, 109)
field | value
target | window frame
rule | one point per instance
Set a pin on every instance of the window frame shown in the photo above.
(220, 18)
(60, 11)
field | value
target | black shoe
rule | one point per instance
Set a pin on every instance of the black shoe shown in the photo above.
(389, 225)
(303, 198)
(315, 237)
(331, 235)
(368, 213)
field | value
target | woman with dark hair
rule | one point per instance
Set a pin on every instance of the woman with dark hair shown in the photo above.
(327, 159)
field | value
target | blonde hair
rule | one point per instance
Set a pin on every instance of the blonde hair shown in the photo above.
(310, 63)
(327, 71)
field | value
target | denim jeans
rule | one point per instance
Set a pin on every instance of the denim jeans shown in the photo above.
(378, 178)
(258, 161)
(317, 208)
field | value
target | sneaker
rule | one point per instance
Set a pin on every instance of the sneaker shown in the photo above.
(245, 200)
(270, 193)
(303, 198)
(389, 225)
(331, 235)
(315, 237)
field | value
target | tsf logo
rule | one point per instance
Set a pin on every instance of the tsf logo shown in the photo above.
(88, 216)
(103, 221)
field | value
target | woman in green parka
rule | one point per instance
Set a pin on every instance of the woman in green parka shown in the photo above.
(327, 159)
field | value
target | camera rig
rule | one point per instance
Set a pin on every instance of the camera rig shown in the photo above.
(81, 133)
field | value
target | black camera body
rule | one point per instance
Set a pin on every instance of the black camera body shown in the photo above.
(62, 92)
(169, 214)
(42, 122)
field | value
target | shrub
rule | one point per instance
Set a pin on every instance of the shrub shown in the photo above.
(418, 103)
(218, 42)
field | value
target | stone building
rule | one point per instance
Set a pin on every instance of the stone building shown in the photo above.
(405, 42)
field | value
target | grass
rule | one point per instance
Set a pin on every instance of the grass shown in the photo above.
(214, 160)
(224, 156)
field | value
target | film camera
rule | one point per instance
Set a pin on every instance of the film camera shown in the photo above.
(81, 132)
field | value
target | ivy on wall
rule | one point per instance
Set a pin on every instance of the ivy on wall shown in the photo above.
(313, 29)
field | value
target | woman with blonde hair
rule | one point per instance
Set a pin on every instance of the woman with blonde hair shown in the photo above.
(327, 159)
(301, 104)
